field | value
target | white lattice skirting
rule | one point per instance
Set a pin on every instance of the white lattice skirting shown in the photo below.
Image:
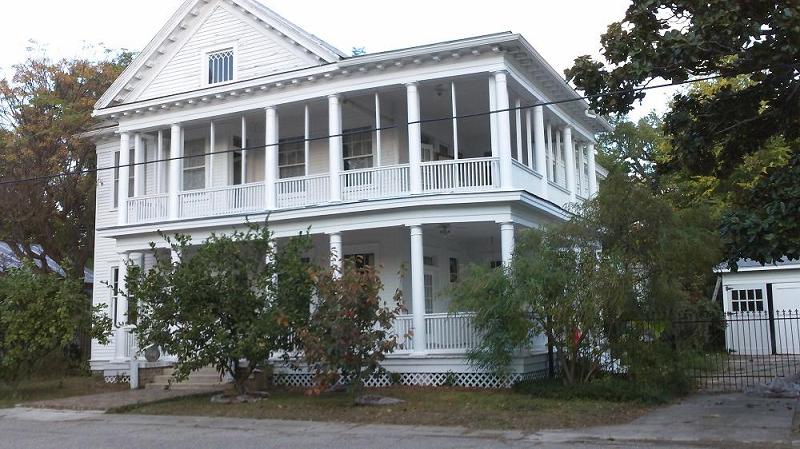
(468, 380)
(122, 379)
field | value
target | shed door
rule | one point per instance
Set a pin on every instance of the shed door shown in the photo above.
(748, 331)
(786, 302)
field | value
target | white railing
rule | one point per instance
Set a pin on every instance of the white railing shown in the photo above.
(301, 192)
(450, 332)
(404, 330)
(222, 200)
(444, 332)
(130, 343)
(374, 183)
(146, 209)
(460, 175)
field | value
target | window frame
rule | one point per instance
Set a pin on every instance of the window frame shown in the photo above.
(115, 181)
(293, 145)
(742, 302)
(363, 133)
(205, 55)
(204, 166)
(113, 302)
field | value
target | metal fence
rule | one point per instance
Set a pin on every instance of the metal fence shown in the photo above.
(739, 349)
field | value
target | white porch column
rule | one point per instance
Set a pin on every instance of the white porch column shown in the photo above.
(174, 179)
(529, 139)
(244, 150)
(121, 312)
(335, 143)
(122, 187)
(174, 257)
(507, 243)
(493, 115)
(540, 148)
(139, 167)
(569, 151)
(418, 288)
(337, 258)
(162, 165)
(592, 171)
(414, 138)
(503, 129)
(579, 171)
(271, 156)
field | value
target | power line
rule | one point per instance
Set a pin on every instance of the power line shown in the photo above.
(363, 130)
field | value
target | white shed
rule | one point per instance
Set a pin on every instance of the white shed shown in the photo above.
(762, 307)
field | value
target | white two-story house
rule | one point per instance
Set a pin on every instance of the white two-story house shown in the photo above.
(422, 160)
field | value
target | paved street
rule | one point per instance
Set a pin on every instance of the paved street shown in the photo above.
(730, 422)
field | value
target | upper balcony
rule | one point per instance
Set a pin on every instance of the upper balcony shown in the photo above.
(393, 142)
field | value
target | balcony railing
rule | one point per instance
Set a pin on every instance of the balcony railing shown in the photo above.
(375, 183)
(301, 192)
(222, 201)
(148, 209)
(460, 175)
(444, 332)
(464, 175)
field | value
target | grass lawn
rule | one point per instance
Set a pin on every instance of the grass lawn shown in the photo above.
(501, 409)
(42, 389)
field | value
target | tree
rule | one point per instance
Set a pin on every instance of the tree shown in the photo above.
(232, 301)
(755, 44)
(349, 333)
(634, 147)
(45, 110)
(41, 314)
(626, 255)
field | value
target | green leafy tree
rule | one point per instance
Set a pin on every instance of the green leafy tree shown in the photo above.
(45, 112)
(754, 43)
(232, 301)
(349, 333)
(40, 315)
(627, 255)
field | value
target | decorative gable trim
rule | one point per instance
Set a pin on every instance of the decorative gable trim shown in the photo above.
(182, 25)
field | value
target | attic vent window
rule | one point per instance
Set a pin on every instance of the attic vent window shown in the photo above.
(220, 66)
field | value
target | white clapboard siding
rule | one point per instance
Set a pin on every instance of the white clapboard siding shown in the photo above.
(105, 258)
(106, 214)
(259, 52)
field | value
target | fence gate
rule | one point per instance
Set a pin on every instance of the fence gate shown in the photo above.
(748, 346)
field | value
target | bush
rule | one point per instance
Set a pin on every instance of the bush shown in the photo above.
(348, 334)
(607, 387)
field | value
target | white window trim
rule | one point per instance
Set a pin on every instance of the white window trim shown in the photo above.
(204, 166)
(234, 45)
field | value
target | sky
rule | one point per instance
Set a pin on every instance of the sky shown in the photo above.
(560, 30)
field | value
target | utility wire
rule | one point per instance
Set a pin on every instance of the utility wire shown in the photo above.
(363, 130)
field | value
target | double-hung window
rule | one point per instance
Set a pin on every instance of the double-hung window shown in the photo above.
(194, 165)
(220, 66)
(357, 148)
(291, 157)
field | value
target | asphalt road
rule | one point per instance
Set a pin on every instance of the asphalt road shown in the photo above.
(44, 429)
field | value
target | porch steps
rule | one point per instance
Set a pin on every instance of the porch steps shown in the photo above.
(205, 378)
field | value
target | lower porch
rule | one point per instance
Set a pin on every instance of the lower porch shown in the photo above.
(423, 262)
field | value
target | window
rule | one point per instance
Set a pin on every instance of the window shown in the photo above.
(291, 157)
(220, 66)
(361, 260)
(194, 165)
(357, 148)
(114, 286)
(428, 293)
(429, 261)
(131, 174)
(751, 300)
(453, 270)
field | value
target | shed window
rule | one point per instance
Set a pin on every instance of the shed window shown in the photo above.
(751, 300)
(220, 66)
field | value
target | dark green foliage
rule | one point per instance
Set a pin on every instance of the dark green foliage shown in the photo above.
(626, 256)
(40, 315)
(605, 388)
(349, 332)
(756, 44)
(231, 299)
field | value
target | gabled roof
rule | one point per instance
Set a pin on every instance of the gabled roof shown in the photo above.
(180, 24)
